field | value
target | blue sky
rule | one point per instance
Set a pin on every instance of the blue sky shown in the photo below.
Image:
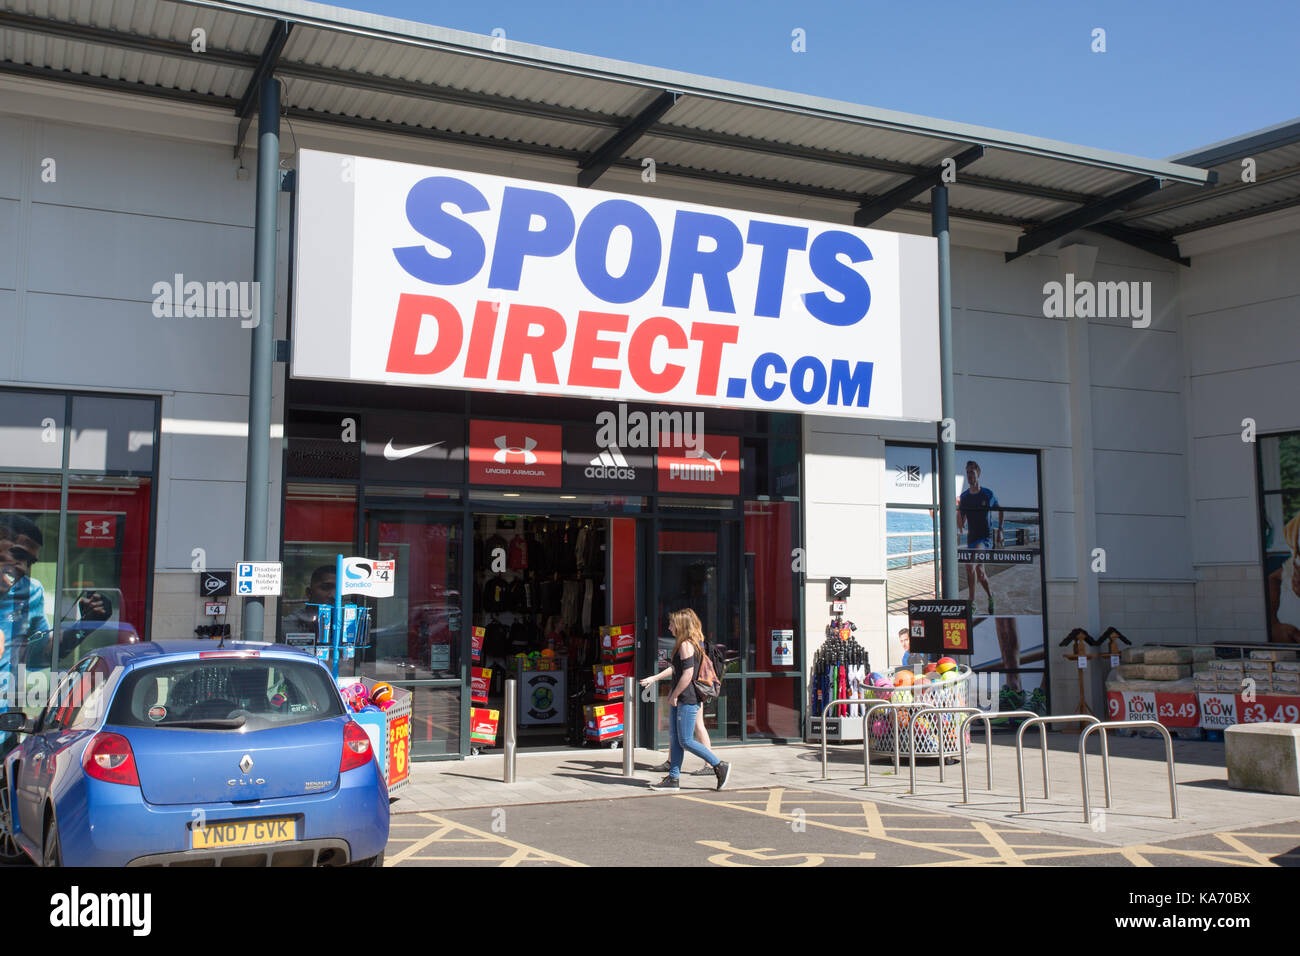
(1176, 74)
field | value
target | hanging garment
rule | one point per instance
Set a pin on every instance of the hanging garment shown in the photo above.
(517, 556)
(588, 600)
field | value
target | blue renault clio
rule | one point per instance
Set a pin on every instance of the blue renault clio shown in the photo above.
(189, 753)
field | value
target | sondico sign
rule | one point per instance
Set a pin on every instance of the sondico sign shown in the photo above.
(419, 276)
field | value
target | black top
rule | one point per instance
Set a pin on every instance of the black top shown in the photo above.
(688, 696)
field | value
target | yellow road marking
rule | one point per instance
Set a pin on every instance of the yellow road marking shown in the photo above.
(1004, 849)
(839, 829)
(875, 826)
(497, 838)
(1247, 851)
(773, 806)
(1131, 854)
(418, 845)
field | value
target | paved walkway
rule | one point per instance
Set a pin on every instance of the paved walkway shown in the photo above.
(1139, 815)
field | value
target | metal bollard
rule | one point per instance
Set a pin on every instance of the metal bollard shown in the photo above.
(512, 693)
(630, 688)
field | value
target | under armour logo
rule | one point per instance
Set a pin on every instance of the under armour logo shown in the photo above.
(506, 449)
(91, 527)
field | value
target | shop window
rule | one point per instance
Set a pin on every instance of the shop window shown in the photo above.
(319, 524)
(1279, 497)
(773, 708)
(112, 434)
(771, 585)
(105, 552)
(32, 433)
(29, 572)
(999, 553)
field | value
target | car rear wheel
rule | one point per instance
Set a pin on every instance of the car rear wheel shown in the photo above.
(53, 855)
(9, 851)
(371, 861)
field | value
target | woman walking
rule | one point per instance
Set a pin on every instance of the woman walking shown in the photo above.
(684, 702)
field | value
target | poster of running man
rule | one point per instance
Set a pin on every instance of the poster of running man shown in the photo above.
(1000, 563)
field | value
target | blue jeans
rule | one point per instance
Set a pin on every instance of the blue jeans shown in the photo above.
(681, 720)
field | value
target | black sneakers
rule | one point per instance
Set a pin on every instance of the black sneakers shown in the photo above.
(666, 767)
(668, 783)
(723, 773)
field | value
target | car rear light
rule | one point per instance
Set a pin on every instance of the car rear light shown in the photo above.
(204, 655)
(109, 758)
(356, 747)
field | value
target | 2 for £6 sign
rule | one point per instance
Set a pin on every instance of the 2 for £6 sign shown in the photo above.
(415, 275)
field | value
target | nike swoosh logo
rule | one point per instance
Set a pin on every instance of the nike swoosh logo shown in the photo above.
(397, 454)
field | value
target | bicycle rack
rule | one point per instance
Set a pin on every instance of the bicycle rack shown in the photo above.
(986, 718)
(1042, 732)
(871, 703)
(916, 719)
(1105, 761)
(894, 707)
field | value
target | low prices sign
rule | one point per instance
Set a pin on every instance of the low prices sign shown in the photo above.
(1218, 710)
(1282, 710)
(1177, 710)
(399, 749)
(417, 275)
(1131, 705)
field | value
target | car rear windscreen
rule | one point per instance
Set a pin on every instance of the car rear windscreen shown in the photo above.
(225, 694)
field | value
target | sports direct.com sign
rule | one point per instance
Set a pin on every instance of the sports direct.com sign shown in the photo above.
(413, 275)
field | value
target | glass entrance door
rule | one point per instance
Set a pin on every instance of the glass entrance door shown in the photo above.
(417, 633)
(697, 566)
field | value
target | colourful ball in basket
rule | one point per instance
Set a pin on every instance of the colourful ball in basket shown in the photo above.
(904, 678)
(369, 709)
(874, 679)
(951, 675)
(878, 680)
(945, 664)
(930, 668)
(385, 704)
(381, 692)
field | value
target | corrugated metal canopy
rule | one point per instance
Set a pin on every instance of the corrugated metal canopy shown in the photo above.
(352, 68)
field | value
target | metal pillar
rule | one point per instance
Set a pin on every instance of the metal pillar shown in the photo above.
(510, 734)
(257, 479)
(947, 450)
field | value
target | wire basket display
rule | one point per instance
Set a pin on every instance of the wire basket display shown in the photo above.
(954, 692)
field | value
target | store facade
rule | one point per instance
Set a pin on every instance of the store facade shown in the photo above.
(1096, 432)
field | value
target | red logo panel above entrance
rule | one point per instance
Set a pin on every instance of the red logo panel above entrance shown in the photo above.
(515, 453)
(712, 467)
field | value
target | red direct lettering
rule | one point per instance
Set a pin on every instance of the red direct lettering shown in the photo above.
(642, 344)
(411, 311)
(481, 335)
(714, 338)
(541, 348)
(589, 346)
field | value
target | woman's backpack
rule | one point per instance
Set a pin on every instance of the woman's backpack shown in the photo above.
(707, 683)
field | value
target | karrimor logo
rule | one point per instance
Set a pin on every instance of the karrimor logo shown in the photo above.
(611, 465)
(907, 476)
(75, 909)
(505, 450)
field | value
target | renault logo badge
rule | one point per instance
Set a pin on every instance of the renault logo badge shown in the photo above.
(245, 763)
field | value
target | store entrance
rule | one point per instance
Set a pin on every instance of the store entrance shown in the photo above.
(544, 587)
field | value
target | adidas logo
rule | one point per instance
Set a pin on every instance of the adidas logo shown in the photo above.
(611, 465)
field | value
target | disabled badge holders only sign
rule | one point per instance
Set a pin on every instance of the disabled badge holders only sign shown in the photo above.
(368, 576)
(258, 578)
(939, 627)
